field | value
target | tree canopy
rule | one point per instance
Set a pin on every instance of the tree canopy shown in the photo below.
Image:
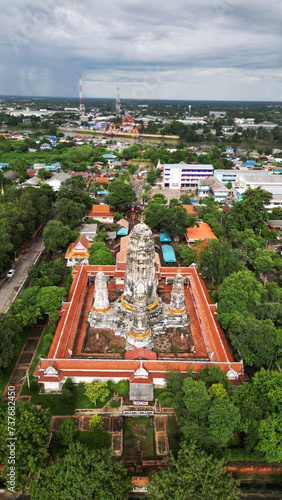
(260, 404)
(171, 220)
(121, 193)
(251, 212)
(193, 475)
(82, 474)
(9, 335)
(56, 235)
(204, 416)
(31, 431)
(240, 292)
(218, 260)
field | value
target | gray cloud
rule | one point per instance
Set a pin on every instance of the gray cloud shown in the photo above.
(203, 49)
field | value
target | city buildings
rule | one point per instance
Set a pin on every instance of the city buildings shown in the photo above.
(185, 175)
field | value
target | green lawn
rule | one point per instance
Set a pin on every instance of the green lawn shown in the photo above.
(158, 394)
(86, 437)
(59, 407)
(174, 436)
(4, 379)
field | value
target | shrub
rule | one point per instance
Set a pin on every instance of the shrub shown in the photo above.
(45, 349)
(47, 338)
(122, 387)
(115, 403)
(66, 433)
(96, 425)
(158, 351)
(68, 384)
(111, 386)
(66, 395)
(34, 385)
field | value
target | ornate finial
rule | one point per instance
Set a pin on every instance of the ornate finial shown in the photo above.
(142, 217)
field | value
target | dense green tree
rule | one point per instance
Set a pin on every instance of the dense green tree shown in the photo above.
(218, 260)
(100, 254)
(262, 260)
(96, 425)
(9, 335)
(193, 475)
(74, 189)
(50, 299)
(6, 246)
(240, 292)
(154, 215)
(25, 308)
(56, 235)
(251, 212)
(211, 375)
(82, 474)
(159, 198)
(66, 433)
(47, 273)
(202, 416)
(276, 213)
(171, 220)
(31, 431)
(258, 341)
(260, 404)
(185, 199)
(70, 213)
(153, 175)
(209, 422)
(33, 302)
(187, 255)
(44, 174)
(121, 193)
(97, 390)
(20, 166)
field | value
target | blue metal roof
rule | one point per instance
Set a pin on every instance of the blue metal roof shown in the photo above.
(111, 157)
(123, 231)
(103, 192)
(168, 253)
(164, 237)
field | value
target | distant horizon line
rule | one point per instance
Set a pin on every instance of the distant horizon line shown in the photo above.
(135, 99)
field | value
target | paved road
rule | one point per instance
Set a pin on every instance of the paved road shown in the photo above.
(10, 288)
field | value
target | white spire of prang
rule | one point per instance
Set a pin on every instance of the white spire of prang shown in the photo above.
(140, 267)
(101, 297)
(177, 300)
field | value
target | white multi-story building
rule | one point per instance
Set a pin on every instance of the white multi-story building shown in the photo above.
(185, 175)
(271, 183)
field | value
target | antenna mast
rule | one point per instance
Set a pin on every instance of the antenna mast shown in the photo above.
(118, 104)
(81, 99)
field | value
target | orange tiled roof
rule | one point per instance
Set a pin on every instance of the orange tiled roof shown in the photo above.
(104, 180)
(189, 209)
(201, 232)
(210, 342)
(100, 211)
(72, 251)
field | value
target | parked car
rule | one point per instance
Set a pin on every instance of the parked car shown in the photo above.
(10, 273)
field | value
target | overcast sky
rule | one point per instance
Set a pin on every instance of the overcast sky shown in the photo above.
(164, 49)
